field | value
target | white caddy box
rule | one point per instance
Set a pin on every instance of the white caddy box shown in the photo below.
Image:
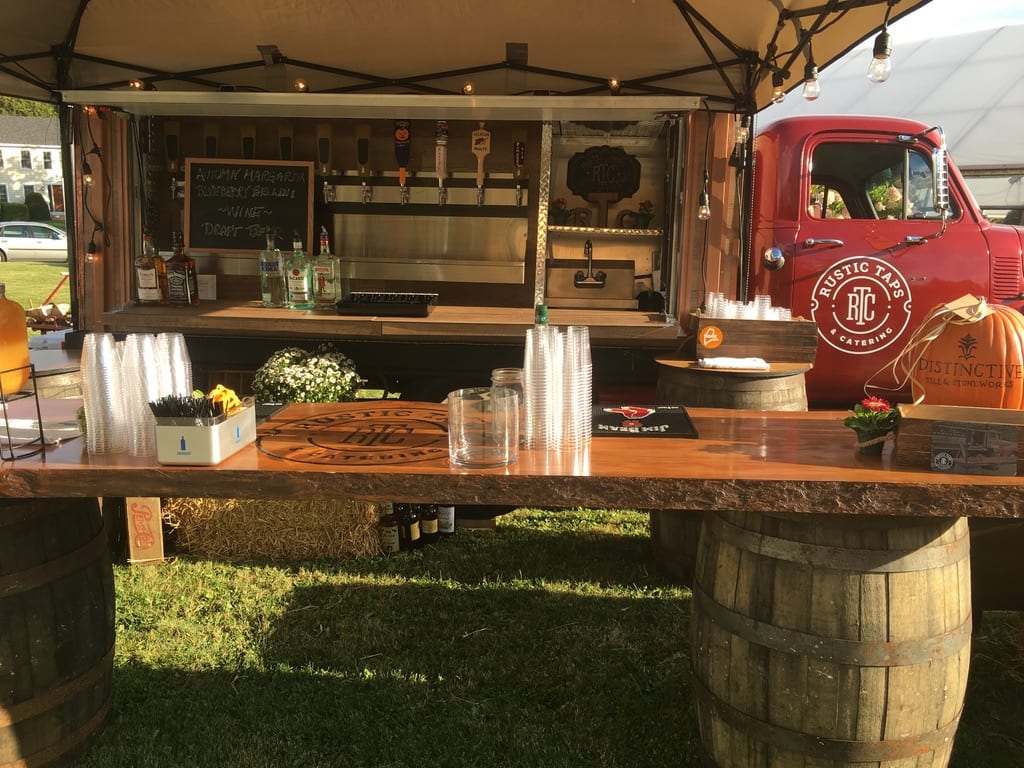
(183, 442)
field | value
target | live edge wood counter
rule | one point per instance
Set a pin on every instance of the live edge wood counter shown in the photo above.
(381, 450)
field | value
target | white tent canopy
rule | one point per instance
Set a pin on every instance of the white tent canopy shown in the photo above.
(972, 85)
(724, 51)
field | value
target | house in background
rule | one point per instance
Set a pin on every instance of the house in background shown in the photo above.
(30, 160)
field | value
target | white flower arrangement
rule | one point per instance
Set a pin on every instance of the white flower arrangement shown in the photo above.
(294, 375)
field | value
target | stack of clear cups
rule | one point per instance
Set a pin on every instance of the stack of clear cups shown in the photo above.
(542, 387)
(175, 365)
(140, 385)
(577, 386)
(106, 427)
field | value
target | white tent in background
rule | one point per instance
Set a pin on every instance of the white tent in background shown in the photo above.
(971, 84)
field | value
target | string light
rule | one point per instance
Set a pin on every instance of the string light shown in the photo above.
(614, 86)
(300, 85)
(881, 62)
(467, 88)
(778, 95)
(812, 88)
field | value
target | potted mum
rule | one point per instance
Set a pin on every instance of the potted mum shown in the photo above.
(873, 418)
(643, 216)
(295, 375)
(559, 213)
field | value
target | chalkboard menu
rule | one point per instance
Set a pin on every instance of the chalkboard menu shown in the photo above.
(230, 204)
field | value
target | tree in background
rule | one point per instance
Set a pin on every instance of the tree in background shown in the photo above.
(9, 105)
(38, 210)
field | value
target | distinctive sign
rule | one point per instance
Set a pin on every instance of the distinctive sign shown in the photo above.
(377, 434)
(861, 305)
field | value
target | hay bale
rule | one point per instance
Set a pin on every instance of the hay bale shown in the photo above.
(236, 529)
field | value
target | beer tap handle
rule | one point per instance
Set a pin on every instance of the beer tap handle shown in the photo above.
(481, 148)
(518, 157)
(402, 140)
(441, 160)
(363, 132)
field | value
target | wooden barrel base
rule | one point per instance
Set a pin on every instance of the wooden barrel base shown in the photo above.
(781, 388)
(57, 630)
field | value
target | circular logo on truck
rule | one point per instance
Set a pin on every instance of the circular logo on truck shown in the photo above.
(861, 305)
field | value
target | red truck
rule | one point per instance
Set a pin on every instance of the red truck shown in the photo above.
(862, 224)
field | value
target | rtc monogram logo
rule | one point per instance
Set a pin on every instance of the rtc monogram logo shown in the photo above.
(861, 305)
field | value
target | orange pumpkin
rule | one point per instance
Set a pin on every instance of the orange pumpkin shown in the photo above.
(969, 353)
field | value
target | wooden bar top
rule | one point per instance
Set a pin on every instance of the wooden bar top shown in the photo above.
(444, 323)
(394, 450)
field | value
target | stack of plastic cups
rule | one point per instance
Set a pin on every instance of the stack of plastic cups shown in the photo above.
(175, 366)
(140, 382)
(578, 387)
(542, 387)
(106, 426)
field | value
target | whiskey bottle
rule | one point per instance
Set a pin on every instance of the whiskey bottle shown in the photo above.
(271, 274)
(325, 276)
(428, 523)
(387, 530)
(182, 279)
(299, 277)
(150, 274)
(445, 519)
(408, 526)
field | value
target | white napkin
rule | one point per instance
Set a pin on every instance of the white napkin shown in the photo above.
(750, 363)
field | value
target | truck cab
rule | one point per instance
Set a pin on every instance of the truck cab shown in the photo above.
(862, 225)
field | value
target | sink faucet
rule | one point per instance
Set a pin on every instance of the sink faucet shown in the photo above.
(589, 280)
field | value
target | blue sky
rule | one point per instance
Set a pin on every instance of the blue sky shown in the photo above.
(954, 17)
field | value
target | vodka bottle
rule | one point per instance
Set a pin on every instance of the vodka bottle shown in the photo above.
(271, 274)
(325, 276)
(150, 275)
(299, 277)
(182, 278)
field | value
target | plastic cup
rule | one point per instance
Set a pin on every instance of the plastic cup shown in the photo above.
(483, 427)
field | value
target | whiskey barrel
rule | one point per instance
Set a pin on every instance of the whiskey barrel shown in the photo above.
(781, 388)
(830, 640)
(56, 630)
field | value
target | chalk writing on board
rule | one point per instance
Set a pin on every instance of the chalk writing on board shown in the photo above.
(231, 204)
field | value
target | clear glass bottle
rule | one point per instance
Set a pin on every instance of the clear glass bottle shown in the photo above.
(299, 277)
(150, 274)
(445, 519)
(272, 274)
(182, 277)
(325, 276)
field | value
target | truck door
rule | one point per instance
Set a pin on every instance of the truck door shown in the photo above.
(866, 262)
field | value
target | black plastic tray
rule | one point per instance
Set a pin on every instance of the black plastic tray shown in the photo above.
(389, 304)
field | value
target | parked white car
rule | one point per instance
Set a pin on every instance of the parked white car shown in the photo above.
(32, 241)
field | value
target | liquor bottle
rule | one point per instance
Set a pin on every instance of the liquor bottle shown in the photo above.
(271, 274)
(387, 530)
(325, 276)
(299, 277)
(14, 360)
(445, 519)
(428, 523)
(408, 526)
(150, 274)
(182, 279)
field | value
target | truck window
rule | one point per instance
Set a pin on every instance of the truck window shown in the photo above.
(870, 181)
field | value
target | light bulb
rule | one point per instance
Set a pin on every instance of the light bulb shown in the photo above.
(881, 65)
(742, 133)
(300, 85)
(704, 209)
(778, 95)
(879, 70)
(812, 88)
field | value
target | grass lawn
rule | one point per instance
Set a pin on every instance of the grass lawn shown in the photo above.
(30, 282)
(550, 642)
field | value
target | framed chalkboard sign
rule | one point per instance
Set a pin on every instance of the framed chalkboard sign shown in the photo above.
(229, 204)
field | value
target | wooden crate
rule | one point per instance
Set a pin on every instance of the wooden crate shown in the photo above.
(913, 443)
(782, 341)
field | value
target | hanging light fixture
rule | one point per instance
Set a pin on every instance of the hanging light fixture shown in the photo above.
(812, 88)
(704, 202)
(881, 62)
(778, 95)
